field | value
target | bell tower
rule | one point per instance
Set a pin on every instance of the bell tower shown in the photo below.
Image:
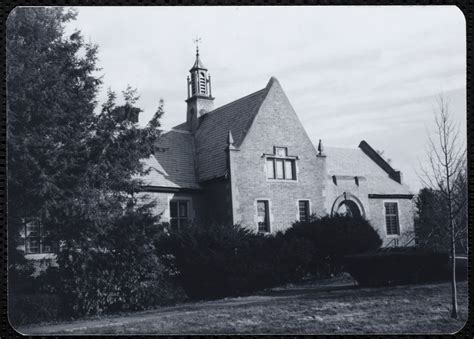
(200, 100)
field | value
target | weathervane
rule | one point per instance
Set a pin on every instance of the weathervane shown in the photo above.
(197, 40)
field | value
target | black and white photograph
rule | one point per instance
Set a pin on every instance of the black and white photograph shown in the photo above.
(226, 170)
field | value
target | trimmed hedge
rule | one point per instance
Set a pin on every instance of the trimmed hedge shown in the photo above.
(333, 238)
(215, 260)
(402, 266)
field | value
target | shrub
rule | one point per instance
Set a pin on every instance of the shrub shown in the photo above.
(403, 266)
(332, 238)
(214, 260)
(125, 274)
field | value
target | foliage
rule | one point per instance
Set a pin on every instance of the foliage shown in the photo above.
(431, 222)
(403, 265)
(51, 93)
(216, 260)
(124, 274)
(76, 170)
(334, 237)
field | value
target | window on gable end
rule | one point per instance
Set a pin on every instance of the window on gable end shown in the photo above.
(280, 166)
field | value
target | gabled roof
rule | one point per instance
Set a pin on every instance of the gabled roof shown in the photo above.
(182, 161)
(355, 162)
(213, 127)
(172, 165)
(211, 134)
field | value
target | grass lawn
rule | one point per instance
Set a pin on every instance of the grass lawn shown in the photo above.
(315, 308)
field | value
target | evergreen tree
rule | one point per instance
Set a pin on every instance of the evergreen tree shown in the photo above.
(74, 170)
(50, 100)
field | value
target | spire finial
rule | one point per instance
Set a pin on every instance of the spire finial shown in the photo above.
(230, 141)
(320, 148)
(197, 40)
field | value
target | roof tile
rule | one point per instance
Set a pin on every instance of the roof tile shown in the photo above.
(172, 165)
(211, 135)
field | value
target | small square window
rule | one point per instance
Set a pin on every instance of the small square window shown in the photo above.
(36, 239)
(178, 213)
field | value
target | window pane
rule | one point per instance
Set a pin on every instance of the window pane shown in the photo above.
(391, 218)
(304, 210)
(289, 169)
(173, 209)
(183, 222)
(183, 209)
(32, 228)
(281, 151)
(279, 169)
(270, 168)
(262, 216)
(32, 246)
(261, 209)
(46, 247)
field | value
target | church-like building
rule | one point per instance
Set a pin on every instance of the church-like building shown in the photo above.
(251, 162)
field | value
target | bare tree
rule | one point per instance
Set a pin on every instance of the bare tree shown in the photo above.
(446, 173)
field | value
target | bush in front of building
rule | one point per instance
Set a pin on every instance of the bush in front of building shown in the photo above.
(333, 238)
(120, 272)
(398, 266)
(403, 265)
(214, 260)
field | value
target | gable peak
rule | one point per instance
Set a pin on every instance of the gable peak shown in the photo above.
(272, 81)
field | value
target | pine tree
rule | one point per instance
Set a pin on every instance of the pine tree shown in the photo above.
(76, 171)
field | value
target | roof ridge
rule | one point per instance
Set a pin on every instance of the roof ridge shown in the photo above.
(183, 124)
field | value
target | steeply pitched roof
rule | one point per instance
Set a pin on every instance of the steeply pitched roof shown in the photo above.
(172, 165)
(354, 162)
(198, 64)
(211, 135)
(181, 161)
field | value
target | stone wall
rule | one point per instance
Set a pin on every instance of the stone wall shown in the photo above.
(405, 216)
(276, 124)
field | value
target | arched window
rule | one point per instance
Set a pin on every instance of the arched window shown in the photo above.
(348, 204)
(193, 83)
(202, 83)
(349, 208)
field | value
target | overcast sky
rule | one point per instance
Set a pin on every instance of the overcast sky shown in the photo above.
(351, 73)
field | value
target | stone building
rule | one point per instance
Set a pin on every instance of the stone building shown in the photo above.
(251, 162)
